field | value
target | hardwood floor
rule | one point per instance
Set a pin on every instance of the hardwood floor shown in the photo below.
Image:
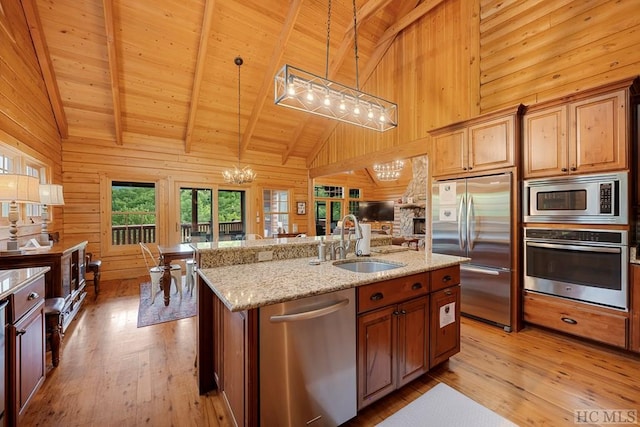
(112, 373)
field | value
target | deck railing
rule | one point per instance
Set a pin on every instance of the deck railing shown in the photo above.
(146, 233)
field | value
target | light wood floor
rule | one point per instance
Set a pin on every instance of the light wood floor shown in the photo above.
(113, 374)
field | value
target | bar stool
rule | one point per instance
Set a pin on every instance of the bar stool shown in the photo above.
(53, 321)
(93, 266)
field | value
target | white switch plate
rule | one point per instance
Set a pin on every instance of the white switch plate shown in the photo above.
(265, 256)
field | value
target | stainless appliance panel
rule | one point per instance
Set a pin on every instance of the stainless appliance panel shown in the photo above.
(579, 199)
(478, 226)
(486, 294)
(489, 221)
(585, 265)
(449, 219)
(308, 361)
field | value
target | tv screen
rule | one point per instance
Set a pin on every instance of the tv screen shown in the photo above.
(375, 211)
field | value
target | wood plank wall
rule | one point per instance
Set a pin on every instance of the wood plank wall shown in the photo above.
(529, 51)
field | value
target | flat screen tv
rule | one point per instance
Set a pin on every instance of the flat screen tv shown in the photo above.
(375, 211)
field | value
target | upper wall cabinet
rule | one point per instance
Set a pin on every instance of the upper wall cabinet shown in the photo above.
(584, 133)
(484, 143)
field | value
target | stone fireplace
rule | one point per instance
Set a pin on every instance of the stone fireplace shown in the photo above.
(411, 213)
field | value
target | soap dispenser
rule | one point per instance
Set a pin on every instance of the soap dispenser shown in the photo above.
(322, 250)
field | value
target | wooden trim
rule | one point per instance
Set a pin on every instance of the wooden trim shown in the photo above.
(109, 28)
(46, 67)
(199, 72)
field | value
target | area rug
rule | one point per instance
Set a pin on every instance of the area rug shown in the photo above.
(178, 308)
(444, 406)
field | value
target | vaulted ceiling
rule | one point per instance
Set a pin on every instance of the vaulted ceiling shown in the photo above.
(164, 69)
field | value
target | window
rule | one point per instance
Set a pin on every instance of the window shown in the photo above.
(133, 212)
(34, 209)
(275, 212)
(329, 191)
(14, 161)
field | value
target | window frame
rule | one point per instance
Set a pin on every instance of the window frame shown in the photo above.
(276, 213)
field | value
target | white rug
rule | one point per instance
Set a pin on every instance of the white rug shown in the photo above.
(444, 406)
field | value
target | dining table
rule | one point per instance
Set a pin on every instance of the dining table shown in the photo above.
(167, 255)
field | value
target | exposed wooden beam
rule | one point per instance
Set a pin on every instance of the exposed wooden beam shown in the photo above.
(197, 78)
(370, 175)
(382, 46)
(274, 63)
(109, 28)
(365, 12)
(46, 67)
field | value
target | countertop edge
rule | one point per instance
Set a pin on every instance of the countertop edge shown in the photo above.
(232, 288)
(19, 278)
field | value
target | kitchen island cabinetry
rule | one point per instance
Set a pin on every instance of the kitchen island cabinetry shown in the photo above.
(583, 133)
(445, 315)
(233, 297)
(634, 326)
(393, 335)
(484, 143)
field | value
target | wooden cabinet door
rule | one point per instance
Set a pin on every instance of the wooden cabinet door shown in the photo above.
(634, 327)
(27, 336)
(545, 142)
(413, 339)
(450, 153)
(234, 353)
(492, 144)
(598, 134)
(376, 354)
(445, 325)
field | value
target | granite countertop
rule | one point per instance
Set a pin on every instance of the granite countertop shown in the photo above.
(12, 281)
(248, 286)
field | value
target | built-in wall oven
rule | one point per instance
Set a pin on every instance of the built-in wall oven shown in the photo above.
(588, 265)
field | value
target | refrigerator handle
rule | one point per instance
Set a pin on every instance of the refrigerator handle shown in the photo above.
(471, 223)
(462, 241)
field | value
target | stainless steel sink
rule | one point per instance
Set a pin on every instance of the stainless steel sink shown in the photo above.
(360, 265)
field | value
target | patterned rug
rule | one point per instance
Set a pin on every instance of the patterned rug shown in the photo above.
(149, 314)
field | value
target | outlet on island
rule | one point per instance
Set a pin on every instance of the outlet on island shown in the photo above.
(265, 256)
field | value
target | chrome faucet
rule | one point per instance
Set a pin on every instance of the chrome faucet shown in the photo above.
(343, 246)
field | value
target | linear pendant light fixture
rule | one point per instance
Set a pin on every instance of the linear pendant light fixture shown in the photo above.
(304, 91)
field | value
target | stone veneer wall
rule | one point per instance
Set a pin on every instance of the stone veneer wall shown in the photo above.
(211, 255)
(416, 191)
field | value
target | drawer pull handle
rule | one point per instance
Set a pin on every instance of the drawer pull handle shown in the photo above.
(376, 297)
(416, 286)
(403, 311)
(447, 278)
(32, 296)
(569, 320)
(448, 292)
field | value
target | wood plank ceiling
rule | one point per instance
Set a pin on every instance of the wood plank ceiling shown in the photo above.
(127, 71)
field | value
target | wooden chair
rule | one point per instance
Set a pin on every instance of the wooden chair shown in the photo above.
(156, 272)
(93, 266)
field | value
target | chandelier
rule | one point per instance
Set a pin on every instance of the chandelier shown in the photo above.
(239, 175)
(301, 90)
(388, 171)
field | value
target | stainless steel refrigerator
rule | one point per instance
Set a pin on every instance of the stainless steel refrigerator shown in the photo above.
(471, 217)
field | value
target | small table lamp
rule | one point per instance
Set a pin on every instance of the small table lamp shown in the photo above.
(50, 195)
(16, 189)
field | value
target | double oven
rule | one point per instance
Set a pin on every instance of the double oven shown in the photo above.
(576, 239)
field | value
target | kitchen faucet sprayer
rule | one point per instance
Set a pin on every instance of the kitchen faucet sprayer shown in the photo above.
(343, 247)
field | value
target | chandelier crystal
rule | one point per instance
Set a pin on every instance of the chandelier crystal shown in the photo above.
(239, 175)
(304, 91)
(388, 171)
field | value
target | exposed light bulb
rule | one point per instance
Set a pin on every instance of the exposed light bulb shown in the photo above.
(342, 105)
(291, 90)
(327, 100)
(370, 113)
(356, 109)
(310, 93)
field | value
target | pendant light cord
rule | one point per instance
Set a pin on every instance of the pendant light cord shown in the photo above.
(355, 42)
(326, 70)
(238, 61)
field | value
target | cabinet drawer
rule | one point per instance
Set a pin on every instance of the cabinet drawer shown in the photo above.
(445, 277)
(25, 299)
(392, 291)
(596, 323)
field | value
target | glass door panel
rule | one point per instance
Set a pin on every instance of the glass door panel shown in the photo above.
(196, 219)
(231, 215)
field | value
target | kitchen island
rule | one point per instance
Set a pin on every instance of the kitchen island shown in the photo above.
(407, 300)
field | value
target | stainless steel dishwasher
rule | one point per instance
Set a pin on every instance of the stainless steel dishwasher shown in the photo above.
(308, 361)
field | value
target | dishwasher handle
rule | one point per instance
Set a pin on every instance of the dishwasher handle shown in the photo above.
(312, 314)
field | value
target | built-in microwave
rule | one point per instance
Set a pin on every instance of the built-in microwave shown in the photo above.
(584, 199)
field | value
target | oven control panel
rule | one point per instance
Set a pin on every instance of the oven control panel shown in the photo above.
(601, 236)
(606, 191)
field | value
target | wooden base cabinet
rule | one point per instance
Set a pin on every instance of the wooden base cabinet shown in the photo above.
(26, 348)
(445, 325)
(634, 326)
(597, 323)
